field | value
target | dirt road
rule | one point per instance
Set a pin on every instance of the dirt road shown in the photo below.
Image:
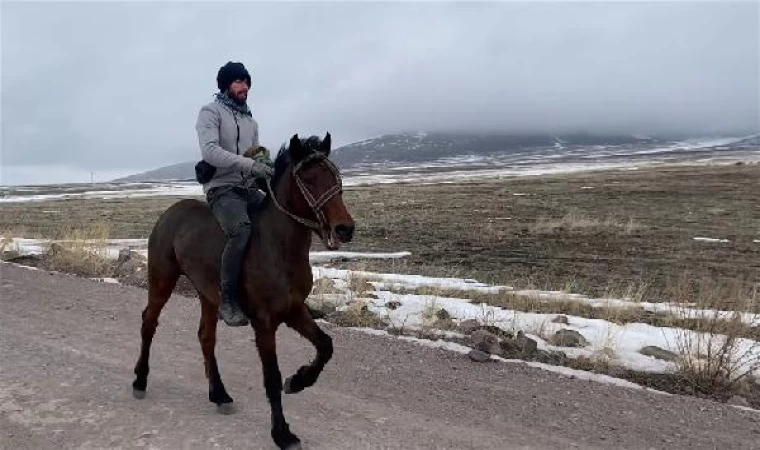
(68, 346)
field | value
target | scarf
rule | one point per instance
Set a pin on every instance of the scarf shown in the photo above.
(225, 100)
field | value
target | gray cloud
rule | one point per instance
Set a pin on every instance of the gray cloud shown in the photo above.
(98, 86)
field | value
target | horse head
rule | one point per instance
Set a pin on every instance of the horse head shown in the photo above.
(316, 196)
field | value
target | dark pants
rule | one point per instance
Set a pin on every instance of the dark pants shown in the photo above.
(231, 207)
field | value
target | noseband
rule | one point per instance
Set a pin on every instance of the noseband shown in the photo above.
(315, 204)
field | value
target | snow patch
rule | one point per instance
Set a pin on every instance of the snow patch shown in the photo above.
(620, 343)
(106, 280)
(706, 239)
(323, 257)
(168, 190)
(111, 248)
(383, 280)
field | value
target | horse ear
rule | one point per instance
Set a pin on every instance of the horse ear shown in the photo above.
(326, 144)
(296, 150)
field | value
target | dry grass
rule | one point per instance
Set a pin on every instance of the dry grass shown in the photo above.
(716, 359)
(577, 221)
(7, 251)
(78, 250)
(481, 230)
(357, 314)
(82, 251)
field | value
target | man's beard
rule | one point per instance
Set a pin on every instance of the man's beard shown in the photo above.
(237, 98)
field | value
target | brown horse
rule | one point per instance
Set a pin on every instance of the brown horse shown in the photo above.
(305, 196)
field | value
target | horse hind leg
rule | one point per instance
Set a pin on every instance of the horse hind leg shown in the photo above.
(307, 375)
(207, 336)
(160, 287)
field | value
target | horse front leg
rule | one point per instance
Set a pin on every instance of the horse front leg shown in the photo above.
(307, 375)
(265, 342)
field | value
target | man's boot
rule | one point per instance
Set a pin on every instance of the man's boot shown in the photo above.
(229, 309)
(232, 261)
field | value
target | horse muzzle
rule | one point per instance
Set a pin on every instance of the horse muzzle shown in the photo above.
(344, 232)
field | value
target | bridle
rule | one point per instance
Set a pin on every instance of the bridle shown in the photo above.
(315, 204)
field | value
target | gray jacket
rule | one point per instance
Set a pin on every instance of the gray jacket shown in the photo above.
(224, 135)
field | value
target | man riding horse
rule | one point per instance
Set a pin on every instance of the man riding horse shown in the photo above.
(226, 130)
(203, 239)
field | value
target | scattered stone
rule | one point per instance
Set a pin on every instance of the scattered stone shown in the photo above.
(510, 348)
(487, 342)
(362, 286)
(659, 353)
(478, 356)
(25, 260)
(320, 310)
(442, 314)
(124, 255)
(526, 345)
(444, 324)
(469, 326)
(521, 347)
(129, 270)
(498, 331)
(568, 338)
(738, 400)
(393, 305)
(555, 358)
(561, 319)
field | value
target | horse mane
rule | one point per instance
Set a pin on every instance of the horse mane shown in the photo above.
(282, 162)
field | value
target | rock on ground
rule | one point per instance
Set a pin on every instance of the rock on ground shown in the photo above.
(659, 353)
(478, 356)
(487, 342)
(568, 338)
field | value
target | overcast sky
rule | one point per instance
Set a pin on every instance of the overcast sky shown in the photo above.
(115, 88)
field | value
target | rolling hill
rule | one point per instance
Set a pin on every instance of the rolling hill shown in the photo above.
(445, 150)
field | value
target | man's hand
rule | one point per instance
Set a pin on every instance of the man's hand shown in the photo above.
(260, 154)
(261, 170)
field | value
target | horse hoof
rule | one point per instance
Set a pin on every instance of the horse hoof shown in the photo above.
(286, 388)
(293, 385)
(138, 394)
(225, 409)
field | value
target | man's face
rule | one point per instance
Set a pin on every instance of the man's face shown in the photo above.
(239, 91)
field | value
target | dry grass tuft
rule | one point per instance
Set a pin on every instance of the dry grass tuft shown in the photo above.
(357, 314)
(576, 221)
(716, 359)
(82, 251)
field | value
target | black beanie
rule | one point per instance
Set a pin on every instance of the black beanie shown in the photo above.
(231, 72)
